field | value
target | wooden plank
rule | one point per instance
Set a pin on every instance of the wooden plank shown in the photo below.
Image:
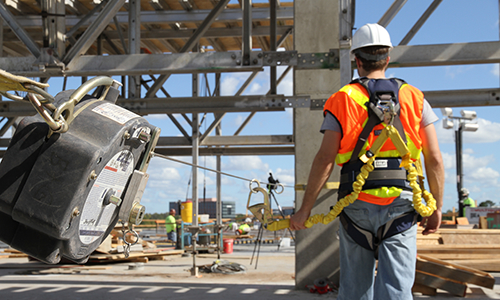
(462, 221)
(433, 281)
(486, 265)
(463, 256)
(423, 289)
(454, 271)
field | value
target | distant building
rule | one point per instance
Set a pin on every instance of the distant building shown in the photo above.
(287, 211)
(209, 206)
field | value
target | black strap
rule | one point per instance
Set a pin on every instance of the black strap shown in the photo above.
(378, 175)
(370, 241)
(375, 116)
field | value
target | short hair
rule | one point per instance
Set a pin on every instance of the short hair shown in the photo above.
(378, 52)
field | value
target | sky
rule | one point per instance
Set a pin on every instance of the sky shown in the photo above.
(454, 21)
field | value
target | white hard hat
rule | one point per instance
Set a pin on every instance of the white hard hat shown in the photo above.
(464, 191)
(370, 35)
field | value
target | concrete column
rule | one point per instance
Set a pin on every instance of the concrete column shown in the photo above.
(316, 30)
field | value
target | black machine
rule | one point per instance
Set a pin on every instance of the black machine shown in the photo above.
(70, 175)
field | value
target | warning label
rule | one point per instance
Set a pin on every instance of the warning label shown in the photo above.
(97, 214)
(115, 113)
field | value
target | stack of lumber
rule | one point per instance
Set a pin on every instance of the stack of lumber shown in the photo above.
(450, 259)
(473, 248)
(11, 253)
(112, 250)
(433, 274)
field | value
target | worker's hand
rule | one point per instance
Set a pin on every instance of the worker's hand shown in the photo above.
(297, 220)
(433, 222)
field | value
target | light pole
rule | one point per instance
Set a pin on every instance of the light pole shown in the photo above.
(463, 124)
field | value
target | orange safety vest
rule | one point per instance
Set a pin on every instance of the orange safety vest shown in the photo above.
(348, 107)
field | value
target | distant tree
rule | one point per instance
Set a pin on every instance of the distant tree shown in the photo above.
(487, 203)
(155, 216)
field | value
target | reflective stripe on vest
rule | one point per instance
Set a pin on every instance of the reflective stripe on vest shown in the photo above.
(348, 106)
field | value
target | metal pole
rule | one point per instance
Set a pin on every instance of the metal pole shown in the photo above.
(272, 44)
(218, 132)
(458, 142)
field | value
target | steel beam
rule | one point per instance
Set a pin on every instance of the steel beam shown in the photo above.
(428, 12)
(246, 33)
(89, 36)
(18, 29)
(214, 13)
(391, 12)
(170, 17)
(273, 45)
(213, 104)
(346, 23)
(239, 151)
(228, 140)
(448, 98)
(215, 62)
(445, 54)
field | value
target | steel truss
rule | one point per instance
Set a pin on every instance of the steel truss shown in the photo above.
(149, 41)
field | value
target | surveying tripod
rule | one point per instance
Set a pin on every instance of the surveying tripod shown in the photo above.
(272, 185)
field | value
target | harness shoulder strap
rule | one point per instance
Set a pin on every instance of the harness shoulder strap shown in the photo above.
(376, 88)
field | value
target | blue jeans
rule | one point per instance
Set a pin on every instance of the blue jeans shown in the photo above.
(172, 235)
(396, 256)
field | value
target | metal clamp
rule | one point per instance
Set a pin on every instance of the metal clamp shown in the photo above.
(66, 109)
(253, 190)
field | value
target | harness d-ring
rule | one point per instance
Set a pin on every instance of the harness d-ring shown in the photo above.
(282, 188)
(253, 190)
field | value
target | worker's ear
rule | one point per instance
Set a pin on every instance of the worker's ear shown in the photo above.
(359, 64)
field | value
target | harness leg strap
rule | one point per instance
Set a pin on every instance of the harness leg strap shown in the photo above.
(370, 241)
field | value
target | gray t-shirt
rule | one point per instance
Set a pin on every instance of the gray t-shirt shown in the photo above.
(428, 117)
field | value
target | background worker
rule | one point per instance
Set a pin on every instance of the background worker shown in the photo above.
(467, 200)
(345, 113)
(171, 226)
(243, 229)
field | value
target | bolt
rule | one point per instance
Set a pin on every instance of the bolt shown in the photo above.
(144, 136)
(115, 200)
(126, 135)
(93, 175)
(238, 62)
(75, 212)
(259, 55)
(137, 213)
(255, 61)
(233, 56)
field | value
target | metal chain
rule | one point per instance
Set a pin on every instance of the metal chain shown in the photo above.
(126, 244)
(222, 173)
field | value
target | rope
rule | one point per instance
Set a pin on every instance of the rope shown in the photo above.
(215, 171)
(224, 267)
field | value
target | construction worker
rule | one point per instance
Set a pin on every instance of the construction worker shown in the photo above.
(171, 226)
(243, 229)
(467, 200)
(384, 200)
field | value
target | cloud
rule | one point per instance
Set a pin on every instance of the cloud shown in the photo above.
(256, 88)
(230, 84)
(483, 176)
(448, 160)
(245, 163)
(495, 70)
(488, 132)
(468, 151)
(453, 71)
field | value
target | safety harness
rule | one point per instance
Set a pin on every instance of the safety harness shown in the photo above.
(383, 95)
(400, 172)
